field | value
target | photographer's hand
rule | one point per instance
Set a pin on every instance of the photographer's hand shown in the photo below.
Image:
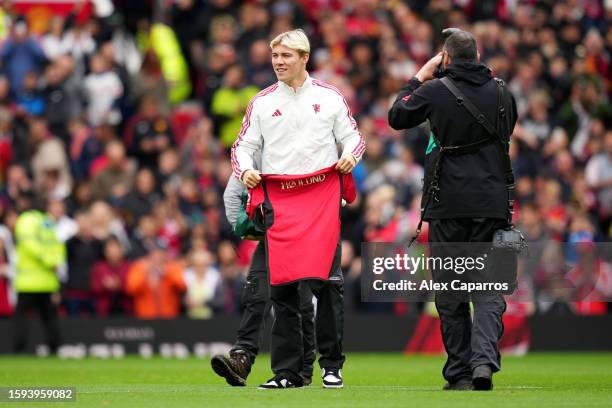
(426, 72)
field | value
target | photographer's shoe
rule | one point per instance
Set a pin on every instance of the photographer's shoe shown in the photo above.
(482, 378)
(332, 378)
(234, 369)
(279, 382)
(463, 384)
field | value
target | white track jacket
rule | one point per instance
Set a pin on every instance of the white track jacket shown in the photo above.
(296, 131)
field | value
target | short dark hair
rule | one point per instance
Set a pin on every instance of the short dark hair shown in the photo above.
(461, 46)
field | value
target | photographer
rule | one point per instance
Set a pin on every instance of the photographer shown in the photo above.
(465, 196)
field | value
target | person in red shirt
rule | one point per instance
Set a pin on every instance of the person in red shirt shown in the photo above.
(156, 284)
(108, 279)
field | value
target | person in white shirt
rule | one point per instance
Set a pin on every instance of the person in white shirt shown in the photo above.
(300, 118)
(102, 88)
(203, 284)
(296, 124)
(598, 175)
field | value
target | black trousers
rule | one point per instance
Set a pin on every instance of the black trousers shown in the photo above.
(287, 334)
(41, 303)
(469, 342)
(255, 298)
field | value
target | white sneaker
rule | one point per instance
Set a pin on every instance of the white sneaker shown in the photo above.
(332, 378)
(278, 383)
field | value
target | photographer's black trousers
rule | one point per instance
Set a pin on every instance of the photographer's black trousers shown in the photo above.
(255, 299)
(288, 348)
(469, 342)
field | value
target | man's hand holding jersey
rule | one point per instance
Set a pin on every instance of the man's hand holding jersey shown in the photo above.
(346, 164)
(251, 178)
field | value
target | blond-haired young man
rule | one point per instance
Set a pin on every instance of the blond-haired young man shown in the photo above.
(296, 124)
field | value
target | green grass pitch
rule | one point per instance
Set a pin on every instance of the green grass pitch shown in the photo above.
(371, 380)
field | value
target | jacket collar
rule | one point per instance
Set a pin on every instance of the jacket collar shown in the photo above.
(289, 90)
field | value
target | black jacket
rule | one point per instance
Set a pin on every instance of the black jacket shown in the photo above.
(471, 185)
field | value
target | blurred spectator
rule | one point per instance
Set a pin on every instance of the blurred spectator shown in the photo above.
(576, 114)
(523, 86)
(590, 276)
(168, 170)
(150, 81)
(17, 182)
(39, 254)
(5, 92)
(29, 98)
(65, 226)
(7, 263)
(218, 59)
(51, 42)
(106, 224)
(21, 54)
(563, 167)
(229, 103)
(190, 200)
(102, 89)
(62, 97)
(116, 180)
(232, 279)
(555, 214)
(163, 42)
(144, 236)
(84, 250)
(79, 44)
(117, 63)
(258, 70)
(172, 225)
(156, 284)
(203, 285)
(49, 162)
(142, 198)
(352, 280)
(108, 278)
(6, 141)
(536, 122)
(403, 174)
(199, 144)
(381, 224)
(598, 175)
(550, 285)
(190, 23)
(84, 148)
(364, 76)
(148, 133)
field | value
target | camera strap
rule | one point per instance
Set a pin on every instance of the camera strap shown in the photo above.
(494, 137)
(493, 132)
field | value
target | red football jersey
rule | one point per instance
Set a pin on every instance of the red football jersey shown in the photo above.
(304, 226)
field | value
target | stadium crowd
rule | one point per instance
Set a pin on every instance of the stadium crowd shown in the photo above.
(117, 121)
